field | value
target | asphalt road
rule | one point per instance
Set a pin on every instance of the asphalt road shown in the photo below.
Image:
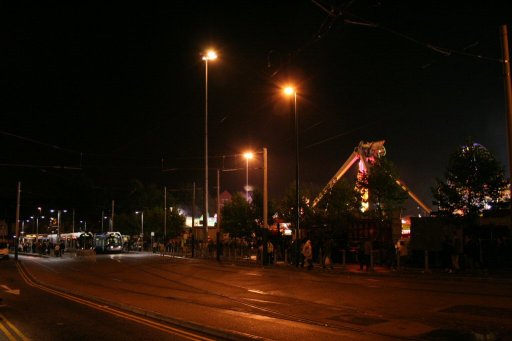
(279, 302)
(31, 312)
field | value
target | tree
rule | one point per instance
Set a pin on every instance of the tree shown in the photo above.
(474, 181)
(257, 203)
(338, 208)
(385, 195)
(342, 203)
(238, 217)
(149, 199)
(287, 207)
(175, 223)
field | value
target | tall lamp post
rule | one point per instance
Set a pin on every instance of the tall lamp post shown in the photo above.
(141, 228)
(210, 55)
(37, 223)
(59, 214)
(290, 91)
(247, 156)
(85, 225)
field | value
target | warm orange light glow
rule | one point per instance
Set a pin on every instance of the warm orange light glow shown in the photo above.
(289, 90)
(210, 55)
(248, 155)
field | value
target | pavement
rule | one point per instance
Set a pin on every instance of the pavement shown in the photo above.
(504, 273)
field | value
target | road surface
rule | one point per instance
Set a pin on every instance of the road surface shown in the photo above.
(280, 302)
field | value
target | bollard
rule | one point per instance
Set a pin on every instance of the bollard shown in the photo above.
(344, 257)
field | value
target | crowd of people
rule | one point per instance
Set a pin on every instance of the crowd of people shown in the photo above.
(43, 247)
(459, 251)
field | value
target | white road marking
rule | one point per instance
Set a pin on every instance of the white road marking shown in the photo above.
(9, 290)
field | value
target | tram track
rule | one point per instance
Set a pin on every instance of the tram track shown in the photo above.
(268, 312)
(255, 308)
(163, 326)
(157, 278)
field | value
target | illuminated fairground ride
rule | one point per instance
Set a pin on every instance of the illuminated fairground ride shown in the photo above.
(365, 153)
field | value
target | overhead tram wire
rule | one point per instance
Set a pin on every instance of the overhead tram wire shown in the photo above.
(439, 49)
(81, 154)
(368, 23)
(52, 146)
(39, 166)
(342, 134)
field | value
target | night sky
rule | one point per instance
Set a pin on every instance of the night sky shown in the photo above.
(100, 94)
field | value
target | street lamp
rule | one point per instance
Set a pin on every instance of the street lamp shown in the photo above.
(37, 223)
(85, 224)
(247, 156)
(59, 212)
(142, 227)
(103, 218)
(210, 55)
(290, 91)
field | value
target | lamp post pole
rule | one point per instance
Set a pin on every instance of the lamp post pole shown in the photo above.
(291, 91)
(210, 55)
(247, 156)
(58, 224)
(297, 183)
(247, 179)
(142, 229)
(37, 223)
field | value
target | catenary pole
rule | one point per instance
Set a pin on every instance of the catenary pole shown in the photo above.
(16, 241)
(111, 227)
(265, 189)
(508, 96)
(165, 214)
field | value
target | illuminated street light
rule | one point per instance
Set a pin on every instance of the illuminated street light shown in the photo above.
(37, 222)
(290, 91)
(210, 55)
(247, 156)
(59, 212)
(85, 224)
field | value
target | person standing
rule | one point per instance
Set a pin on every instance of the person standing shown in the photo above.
(270, 252)
(307, 252)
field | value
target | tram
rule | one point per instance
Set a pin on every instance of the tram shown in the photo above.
(108, 242)
(77, 240)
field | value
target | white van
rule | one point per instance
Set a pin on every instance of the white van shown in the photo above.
(4, 249)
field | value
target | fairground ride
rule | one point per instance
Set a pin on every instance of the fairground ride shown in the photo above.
(366, 153)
